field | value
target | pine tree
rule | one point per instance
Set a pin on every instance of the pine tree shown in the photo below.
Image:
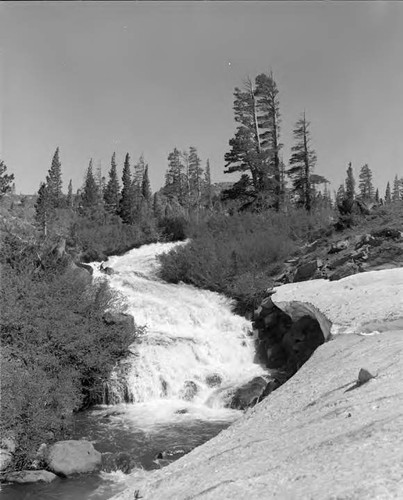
(126, 209)
(175, 185)
(5, 179)
(146, 187)
(365, 183)
(54, 181)
(195, 176)
(112, 190)
(90, 194)
(208, 187)
(268, 120)
(303, 162)
(388, 197)
(43, 208)
(256, 145)
(69, 199)
(350, 184)
(245, 154)
(340, 195)
(396, 189)
(158, 209)
(377, 195)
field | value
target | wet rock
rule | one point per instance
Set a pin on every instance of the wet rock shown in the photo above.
(106, 269)
(165, 457)
(307, 270)
(342, 272)
(213, 380)
(189, 390)
(339, 246)
(121, 461)
(29, 476)
(276, 356)
(164, 387)
(301, 340)
(248, 394)
(73, 457)
(182, 411)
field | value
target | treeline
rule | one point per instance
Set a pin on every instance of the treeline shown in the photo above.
(256, 152)
(366, 190)
(110, 215)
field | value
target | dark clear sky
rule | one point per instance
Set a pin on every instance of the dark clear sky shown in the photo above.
(144, 77)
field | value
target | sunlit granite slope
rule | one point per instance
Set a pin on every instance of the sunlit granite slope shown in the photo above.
(326, 433)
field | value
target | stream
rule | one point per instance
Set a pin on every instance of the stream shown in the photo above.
(193, 353)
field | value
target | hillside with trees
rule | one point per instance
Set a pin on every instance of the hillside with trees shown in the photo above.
(58, 348)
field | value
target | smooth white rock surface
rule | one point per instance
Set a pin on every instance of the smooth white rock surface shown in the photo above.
(320, 435)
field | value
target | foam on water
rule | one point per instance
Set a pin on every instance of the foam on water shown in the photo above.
(191, 335)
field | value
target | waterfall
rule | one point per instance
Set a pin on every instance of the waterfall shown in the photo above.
(193, 345)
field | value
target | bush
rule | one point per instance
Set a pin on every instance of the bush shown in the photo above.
(57, 348)
(97, 241)
(237, 255)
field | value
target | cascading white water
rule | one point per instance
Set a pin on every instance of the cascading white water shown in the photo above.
(193, 342)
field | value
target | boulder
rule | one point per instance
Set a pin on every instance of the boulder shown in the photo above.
(29, 476)
(307, 270)
(339, 246)
(346, 270)
(122, 461)
(73, 457)
(115, 318)
(107, 270)
(248, 394)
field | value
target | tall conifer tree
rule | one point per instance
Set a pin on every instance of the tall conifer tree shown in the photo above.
(112, 190)
(126, 202)
(90, 194)
(69, 199)
(388, 197)
(365, 183)
(54, 181)
(208, 185)
(43, 208)
(302, 163)
(396, 189)
(350, 184)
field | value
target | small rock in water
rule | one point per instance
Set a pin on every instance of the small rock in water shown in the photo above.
(189, 390)
(213, 380)
(182, 411)
(364, 376)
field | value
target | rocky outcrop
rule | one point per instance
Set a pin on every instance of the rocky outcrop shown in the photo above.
(355, 253)
(72, 457)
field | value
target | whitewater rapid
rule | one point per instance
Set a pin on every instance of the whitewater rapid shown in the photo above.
(193, 349)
